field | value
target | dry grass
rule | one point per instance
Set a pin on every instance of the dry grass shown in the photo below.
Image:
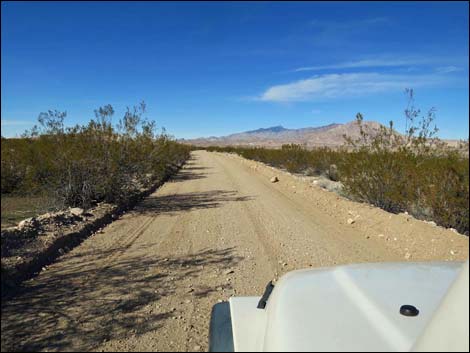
(17, 208)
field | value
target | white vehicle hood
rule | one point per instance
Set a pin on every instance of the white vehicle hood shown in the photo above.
(346, 308)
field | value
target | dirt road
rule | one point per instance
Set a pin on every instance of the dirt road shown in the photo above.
(219, 228)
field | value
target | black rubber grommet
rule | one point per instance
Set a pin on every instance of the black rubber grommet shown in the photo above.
(409, 310)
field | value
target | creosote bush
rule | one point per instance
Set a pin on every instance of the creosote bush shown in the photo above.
(293, 158)
(82, 165)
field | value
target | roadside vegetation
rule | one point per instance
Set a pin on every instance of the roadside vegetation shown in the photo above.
(81, 165)
(414, 172)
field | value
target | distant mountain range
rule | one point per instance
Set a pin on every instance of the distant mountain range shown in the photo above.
(329, 135)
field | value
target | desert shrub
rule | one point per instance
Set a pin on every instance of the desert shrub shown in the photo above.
(433, 187)
(294, 158)
(82, 165)
(13, 170)
(445, 190)
(414, 172)
(384, 179)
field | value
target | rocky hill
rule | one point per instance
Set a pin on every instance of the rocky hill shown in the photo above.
(329, 135)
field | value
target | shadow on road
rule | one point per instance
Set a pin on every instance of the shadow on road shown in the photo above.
(172, 204)
(175, 203)
(78, 307)
(190, 173)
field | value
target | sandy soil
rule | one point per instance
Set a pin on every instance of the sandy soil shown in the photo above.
(219, 228)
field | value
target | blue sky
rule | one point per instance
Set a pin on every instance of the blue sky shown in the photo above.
(217, 68)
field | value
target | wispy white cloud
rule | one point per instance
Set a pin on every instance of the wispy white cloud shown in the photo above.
(375, 62)
(448, 69)
(329, 86)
